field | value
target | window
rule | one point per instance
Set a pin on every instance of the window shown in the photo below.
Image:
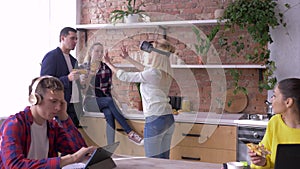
(28, 30)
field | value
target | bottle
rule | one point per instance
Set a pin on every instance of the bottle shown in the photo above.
(186, 105)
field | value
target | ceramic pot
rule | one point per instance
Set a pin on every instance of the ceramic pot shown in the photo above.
(132, 18)
(219, 13)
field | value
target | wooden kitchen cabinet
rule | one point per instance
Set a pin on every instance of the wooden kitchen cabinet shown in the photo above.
(202, 154)
(220, 147)
(126, 146)
(94, 132)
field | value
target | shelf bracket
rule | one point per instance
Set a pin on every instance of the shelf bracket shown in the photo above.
(260, 75)
(164, 31)
(85, 35)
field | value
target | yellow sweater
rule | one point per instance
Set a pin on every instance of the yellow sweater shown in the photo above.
(277, 133)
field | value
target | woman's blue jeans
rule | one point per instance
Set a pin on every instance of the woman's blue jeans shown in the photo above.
(158, 133)
(111, 113)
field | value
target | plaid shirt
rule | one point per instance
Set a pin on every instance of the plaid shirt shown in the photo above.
(15, 142)
(102, 82)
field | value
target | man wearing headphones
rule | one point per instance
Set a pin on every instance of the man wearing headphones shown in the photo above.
(61, 64)
(33, 139)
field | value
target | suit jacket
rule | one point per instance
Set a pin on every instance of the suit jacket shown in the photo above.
(54, 64)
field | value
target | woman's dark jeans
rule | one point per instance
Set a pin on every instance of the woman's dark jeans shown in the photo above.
(111, 113)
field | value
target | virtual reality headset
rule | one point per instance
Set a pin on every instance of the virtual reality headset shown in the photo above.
(148, 47)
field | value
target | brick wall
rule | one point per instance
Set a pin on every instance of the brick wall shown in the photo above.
(183, 38)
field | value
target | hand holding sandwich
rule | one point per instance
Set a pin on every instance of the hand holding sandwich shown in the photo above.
(258, 154)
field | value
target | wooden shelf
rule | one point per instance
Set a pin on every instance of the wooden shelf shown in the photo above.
(204, 66)
(148, 24)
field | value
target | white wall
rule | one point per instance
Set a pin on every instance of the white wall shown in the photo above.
(62, 14)
(27, 32)
(286, 48)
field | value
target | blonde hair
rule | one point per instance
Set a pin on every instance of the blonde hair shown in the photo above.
(164, 45)
(160, 61)
(88, 59)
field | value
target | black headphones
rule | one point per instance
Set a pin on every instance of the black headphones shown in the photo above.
(35, 98)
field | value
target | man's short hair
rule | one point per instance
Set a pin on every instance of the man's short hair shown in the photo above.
(65, 31)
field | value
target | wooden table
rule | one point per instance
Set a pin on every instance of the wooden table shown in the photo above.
(154, 163)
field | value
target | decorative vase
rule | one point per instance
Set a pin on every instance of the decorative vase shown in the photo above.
(219, 110)
(219, 13)
(132, 18)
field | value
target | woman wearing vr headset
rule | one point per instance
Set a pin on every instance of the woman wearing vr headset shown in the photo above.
(155, 84)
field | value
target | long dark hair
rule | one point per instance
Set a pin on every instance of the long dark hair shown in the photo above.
(290, 88)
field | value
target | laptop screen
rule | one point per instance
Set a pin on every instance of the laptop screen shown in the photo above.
(287, 156)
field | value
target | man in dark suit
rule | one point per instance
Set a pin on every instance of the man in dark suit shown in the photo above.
(60, 63)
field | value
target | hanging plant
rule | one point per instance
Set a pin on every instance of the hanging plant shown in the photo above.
(256, 17)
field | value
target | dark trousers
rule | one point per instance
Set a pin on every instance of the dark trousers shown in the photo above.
(75, 111)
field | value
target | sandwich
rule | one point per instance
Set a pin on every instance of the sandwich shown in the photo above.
(258, 149)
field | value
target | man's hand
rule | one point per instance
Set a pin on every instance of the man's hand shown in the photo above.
(74, 75)
(77, 157)
(84, 153)
(62, 114)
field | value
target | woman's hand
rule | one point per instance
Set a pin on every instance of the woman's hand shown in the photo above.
(256, 159)
(106, 58)
(124, 53)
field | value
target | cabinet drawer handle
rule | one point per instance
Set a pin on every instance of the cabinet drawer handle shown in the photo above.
(190, 158)
(121, 130)
(191, 135)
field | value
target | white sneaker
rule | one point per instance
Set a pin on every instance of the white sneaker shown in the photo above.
(136, 138)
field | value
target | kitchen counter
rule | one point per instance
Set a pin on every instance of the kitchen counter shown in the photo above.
(151, 163)
(194, 117)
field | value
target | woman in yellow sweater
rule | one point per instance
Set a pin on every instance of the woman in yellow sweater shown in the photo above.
(284, 127)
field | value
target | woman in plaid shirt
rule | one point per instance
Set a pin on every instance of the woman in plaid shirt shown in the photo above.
(98, 95)
(32, 139)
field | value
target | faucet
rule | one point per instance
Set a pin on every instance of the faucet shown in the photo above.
(269, 109)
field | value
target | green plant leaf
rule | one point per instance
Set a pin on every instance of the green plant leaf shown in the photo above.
(119, 14)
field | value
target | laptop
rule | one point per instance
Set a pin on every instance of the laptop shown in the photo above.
(287, 156)
(101, 157)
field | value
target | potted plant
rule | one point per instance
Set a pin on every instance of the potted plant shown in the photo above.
(130, 14)
(220, 10)
(256, 17)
